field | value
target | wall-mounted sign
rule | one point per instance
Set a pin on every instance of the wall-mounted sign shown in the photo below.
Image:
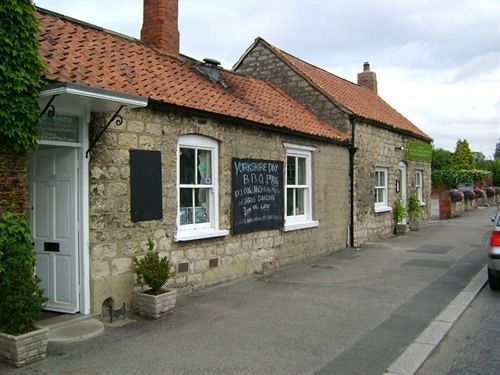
(59, 128)
(257, 195)
(419, 151)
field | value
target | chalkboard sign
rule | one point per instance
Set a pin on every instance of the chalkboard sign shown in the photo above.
(257, 195)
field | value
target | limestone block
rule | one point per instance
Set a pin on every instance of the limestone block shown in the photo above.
(164, 244)
(135, 126)
(117, 189)
(232, 248)
(127, 140)
(104, 251)
(97, 188)
(177, 256)
(200, 265)
(121, 265)
(194, 278)
(153, 128)
(146, 142)
(100, 269)
(195, 254)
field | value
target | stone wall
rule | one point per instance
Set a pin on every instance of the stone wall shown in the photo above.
(376, 146)
(14, 192)
(115, 239)
(263, 64)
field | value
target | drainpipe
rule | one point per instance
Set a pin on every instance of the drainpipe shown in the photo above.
(352, 151)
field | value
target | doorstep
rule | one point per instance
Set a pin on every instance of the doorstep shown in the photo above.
(67, 328)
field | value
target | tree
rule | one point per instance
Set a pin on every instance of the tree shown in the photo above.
(462, 157)
(441, 159)
(496, 155)
(479, 157)
(20, 70)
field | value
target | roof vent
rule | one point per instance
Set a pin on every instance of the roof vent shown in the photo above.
(211, 69)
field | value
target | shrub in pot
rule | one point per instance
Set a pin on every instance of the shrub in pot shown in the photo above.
(456, 196)
(480, 194)
(414, 211)
(21, 297)
(399, 215)
(469, 195)
(154, 271)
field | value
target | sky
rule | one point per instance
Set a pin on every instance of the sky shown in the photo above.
(437, 62)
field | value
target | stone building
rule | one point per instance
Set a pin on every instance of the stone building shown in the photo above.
(385, 159)
(226, 174)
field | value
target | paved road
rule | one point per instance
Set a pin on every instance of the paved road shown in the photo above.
(349, 312)
(473, 344)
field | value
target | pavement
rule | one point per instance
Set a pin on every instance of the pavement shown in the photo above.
(379, 309)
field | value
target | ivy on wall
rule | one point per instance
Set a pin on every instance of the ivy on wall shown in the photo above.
(20, 70)
(451, 178)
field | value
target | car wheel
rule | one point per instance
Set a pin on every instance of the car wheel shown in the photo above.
(493, 281)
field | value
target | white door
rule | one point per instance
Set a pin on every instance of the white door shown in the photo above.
(53, 191)
(402, 183)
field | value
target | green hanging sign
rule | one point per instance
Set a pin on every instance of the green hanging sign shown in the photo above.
(419, 151)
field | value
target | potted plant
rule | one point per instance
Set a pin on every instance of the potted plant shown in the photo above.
(414, 211)
(21, 298)
(399, 214)
(154, 271)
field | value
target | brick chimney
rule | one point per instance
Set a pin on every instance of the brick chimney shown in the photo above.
(368, 78)
(160, 25)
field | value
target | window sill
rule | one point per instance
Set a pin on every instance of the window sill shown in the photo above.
(300, 225)
(379, 210)
(199, 235)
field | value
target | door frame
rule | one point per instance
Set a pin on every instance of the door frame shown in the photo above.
(82, 196)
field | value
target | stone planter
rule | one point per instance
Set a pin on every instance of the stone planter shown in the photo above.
(400, 228)
(414, 225)
(19, 351)
(151, 306)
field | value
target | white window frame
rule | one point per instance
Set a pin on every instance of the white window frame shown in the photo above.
(419, 186)
(211, 229)
(304, 221)
(384, 205)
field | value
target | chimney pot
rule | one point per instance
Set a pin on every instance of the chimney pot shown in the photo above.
(368, 78)
(209, 61)
(160, 25)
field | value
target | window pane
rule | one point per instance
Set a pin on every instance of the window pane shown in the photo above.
(299, 201)
(290, 170)
(186, 206)
(301, 171)
(289, 202)
(187, 166)
(204, 167)
(202, 209)
(377, 178)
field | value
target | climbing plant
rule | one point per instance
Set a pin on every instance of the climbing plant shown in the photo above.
(20, 74)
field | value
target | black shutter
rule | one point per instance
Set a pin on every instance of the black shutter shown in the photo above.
(145, 185)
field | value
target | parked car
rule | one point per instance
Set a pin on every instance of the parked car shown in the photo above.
(494, 255)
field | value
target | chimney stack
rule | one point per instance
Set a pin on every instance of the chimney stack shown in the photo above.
(160, 25)
(368, 78)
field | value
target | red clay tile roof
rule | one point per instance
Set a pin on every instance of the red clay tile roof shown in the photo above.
(360, 100)
(85, 54)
